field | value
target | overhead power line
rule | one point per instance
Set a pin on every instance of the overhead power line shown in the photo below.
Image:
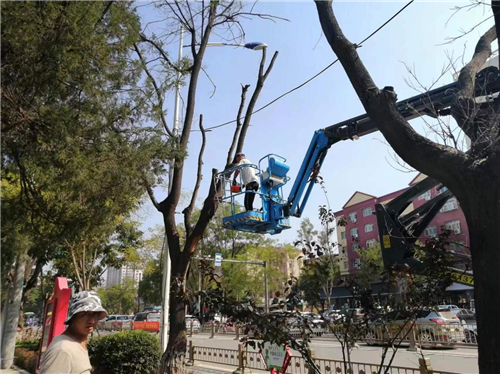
(317, 74)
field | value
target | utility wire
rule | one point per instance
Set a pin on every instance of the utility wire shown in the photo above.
(318, 74)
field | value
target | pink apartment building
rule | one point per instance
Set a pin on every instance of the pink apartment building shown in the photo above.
(361, 230)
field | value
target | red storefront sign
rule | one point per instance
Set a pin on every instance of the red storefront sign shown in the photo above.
(56, 311)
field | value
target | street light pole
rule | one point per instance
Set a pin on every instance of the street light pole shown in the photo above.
(167, 265)
(266, 288)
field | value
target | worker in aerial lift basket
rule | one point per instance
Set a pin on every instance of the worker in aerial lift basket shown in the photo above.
(250, 180)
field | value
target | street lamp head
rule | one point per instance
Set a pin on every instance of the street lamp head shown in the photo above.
(256, 46)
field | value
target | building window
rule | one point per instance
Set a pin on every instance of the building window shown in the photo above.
(367, 212)
(442, 190)
(356, 263)
(453, 226)
(371, 243)
(346, 265)
(355, 247)
(353, 217)
(431, 231)
(369, 227)
(354, 232)
(451, 204)
(425, 196)
(343, 235)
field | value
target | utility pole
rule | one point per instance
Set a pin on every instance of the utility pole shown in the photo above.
(266, 288)
(261, 263)
(167, 266)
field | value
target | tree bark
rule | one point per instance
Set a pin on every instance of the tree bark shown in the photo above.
(482, 210)
(174, 357)
(473, 178)
(11, 314)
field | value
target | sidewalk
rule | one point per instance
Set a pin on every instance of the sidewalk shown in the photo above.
(209, 368)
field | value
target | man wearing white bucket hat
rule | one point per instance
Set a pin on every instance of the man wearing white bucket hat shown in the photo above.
(67, 353)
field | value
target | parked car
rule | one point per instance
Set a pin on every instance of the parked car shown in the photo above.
(194, 321)
(312, 319)
(331, 316)
(466, 316)
(127, 324)
(114, 322)
(452, 308)
(100, 324)
(149, 316)
(355, 314)
(433, 327)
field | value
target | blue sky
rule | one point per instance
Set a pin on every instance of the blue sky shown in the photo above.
(415, 38)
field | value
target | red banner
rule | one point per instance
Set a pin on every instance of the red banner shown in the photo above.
(148, 326)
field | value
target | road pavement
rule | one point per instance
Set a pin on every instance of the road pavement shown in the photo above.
(458, 360)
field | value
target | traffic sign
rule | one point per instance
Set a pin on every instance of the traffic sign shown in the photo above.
(218, 259)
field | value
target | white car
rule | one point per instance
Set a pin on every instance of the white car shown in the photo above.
(452, 308)
(192, 320)
(313, 319)
(114, 322)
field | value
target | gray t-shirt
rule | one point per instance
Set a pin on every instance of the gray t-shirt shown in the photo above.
(65, 356)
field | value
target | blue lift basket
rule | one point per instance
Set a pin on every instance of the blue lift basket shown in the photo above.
(271, 218)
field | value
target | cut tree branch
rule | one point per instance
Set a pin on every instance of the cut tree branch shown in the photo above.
(261, 79)
(230, 154)
(465, 110)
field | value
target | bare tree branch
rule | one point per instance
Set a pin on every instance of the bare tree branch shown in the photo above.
(465, 108)
(263, 74)
(211, 81)
(230, 154)
(73, 258)
(199, 176)
(159, 95)
(466, 32)
(164, 54)
(151, 195)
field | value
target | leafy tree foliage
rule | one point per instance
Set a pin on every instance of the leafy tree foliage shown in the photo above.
(119, 298)
(150, 285)
(241, 280)
(318, 278)
(372, 265)
(68, 127)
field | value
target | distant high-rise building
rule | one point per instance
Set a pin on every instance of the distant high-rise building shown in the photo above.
(119, 275)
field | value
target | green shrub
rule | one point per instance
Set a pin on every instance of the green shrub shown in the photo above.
(25, 359)
(126, 352)
(32, 345)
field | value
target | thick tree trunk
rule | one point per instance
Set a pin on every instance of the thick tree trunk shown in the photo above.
(174, 357)
(11, 314)
(482, 211)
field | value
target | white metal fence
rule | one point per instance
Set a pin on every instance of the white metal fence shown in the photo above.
(423, 334)
(253, 360)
